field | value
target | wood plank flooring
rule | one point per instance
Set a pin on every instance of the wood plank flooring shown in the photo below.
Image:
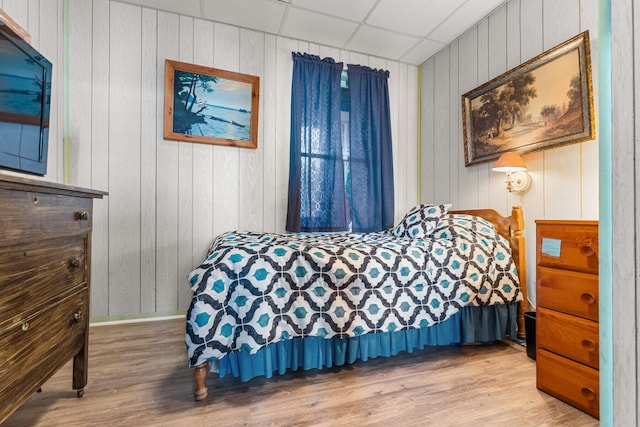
(138, 376)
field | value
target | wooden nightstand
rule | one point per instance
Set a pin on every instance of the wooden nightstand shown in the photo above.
(567, 342)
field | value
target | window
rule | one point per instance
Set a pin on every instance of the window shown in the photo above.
(341, 175)
(344, 132)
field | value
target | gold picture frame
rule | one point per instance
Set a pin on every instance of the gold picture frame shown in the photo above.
(543, 103)
(210, 106)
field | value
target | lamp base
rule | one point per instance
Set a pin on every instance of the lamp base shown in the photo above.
(518, 182)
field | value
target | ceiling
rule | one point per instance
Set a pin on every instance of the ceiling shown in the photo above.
(409, 31)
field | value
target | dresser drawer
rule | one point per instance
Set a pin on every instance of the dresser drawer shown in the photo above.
(33, 351)
(31, 216)
(569, 336)
(568, 291)
(570, 245)
(569, 381)
(38, 274)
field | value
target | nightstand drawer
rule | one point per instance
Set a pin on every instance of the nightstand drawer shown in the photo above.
(35, 275)
(40, 346)
(570, 381)
(569, 245)
(569, 336)
(30, 216)
(567, 291)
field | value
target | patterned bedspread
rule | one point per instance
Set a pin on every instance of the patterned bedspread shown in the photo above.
(255, 289)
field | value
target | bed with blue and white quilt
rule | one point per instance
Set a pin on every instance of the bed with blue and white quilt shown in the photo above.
(265, 303)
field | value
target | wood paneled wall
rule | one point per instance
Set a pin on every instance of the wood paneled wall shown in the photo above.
(168, 199)
(624, 360)
(565, 179)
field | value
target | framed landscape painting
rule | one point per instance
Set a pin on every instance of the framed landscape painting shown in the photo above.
(210, 106)
(545, 102)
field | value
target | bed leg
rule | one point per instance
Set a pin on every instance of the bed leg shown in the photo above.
(200, 375)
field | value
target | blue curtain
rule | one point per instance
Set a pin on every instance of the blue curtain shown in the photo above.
(371, 153)
(317, 199)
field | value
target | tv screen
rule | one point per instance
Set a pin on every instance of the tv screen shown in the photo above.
(25, 97)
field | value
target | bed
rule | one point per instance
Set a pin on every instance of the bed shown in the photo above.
(265, 303)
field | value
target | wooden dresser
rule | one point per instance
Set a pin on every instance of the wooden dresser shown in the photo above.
(45, 249)
(567, 350)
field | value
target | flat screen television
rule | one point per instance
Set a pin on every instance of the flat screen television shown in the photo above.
(25, 98)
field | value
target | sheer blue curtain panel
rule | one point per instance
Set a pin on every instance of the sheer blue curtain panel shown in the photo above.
(317, 200)
(371, 154)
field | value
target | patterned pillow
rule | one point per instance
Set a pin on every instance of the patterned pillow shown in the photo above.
(420, 221)
(452, 226)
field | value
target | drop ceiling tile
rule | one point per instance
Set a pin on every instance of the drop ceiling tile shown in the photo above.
(423, 51)
(393, 29)
(183, 7)
(256, 14)
(417, 17)
(378, 42)
(355, 10)
(464, 18)
(317, 28)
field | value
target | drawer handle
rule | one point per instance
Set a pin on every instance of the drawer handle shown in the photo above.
(588, 345)
(74, 263)
(587, 393)
(586, 250)
(587, 298)
(82, 216)
(77, 317)
(25, 326)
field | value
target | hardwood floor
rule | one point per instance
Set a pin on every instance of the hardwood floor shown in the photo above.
(138, 376)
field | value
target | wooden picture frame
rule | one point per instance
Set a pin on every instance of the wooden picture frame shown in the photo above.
(13, 26)
(210, 106)
(545, 102)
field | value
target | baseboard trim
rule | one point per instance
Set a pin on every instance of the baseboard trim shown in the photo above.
(141, 319)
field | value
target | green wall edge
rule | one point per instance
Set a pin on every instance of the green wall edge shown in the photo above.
(605, 215)
(419, 139)
(67, 142)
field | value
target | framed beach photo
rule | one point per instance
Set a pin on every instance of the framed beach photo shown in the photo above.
(544, 103)
(210, 106)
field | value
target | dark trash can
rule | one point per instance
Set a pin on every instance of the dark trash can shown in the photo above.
(530, 331)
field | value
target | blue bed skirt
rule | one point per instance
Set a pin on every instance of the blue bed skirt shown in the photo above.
(470, 325)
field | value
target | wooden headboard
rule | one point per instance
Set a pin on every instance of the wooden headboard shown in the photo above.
(510, 227)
